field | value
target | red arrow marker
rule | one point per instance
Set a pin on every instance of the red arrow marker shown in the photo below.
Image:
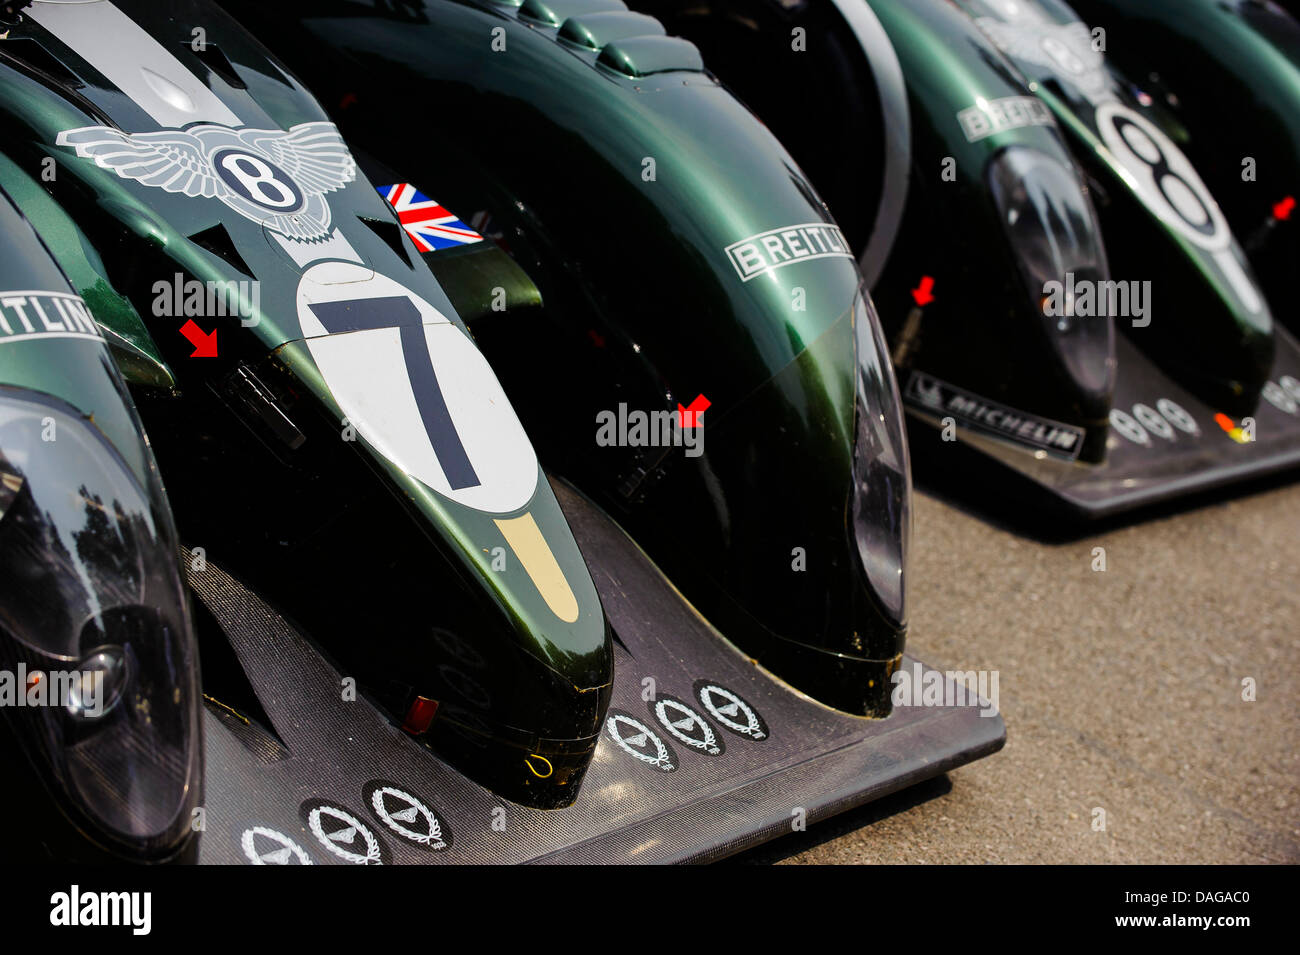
(205, 343)
(690, 415)
(922, 293)
(1282, 211)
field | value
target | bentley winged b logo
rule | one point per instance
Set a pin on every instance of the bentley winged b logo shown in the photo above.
(1023, 33)
(274, 177)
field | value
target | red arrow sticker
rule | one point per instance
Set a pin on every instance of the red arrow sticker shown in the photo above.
(689, 415)
(205, 343)
(923, 292)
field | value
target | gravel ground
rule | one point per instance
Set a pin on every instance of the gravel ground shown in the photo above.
(1121, 690)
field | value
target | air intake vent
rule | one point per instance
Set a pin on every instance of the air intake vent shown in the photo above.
(217, 241)
(554, 12)
(214, 59)
(390, 232)
(644, 55)
(607, 34)
(595, 30)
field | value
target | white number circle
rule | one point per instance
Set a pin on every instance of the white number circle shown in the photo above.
(415, 387)
(1167, 182)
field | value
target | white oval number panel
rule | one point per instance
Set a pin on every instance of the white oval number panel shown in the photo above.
(1167, 181)
(415, 387)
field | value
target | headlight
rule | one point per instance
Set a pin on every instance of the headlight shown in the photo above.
(1054, 232)
(92, 604)
(882, 497)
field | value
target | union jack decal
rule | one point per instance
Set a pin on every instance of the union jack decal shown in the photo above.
(429, 224)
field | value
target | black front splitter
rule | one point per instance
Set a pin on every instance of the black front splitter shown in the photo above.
(722, 758)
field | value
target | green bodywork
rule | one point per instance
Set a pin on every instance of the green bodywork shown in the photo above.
(1229, 74)
(116, 238)
(871, 104)
(1203, 329)
(952, 230)
(76, 371)
(133, 348)
(89, 555)
(618, 173)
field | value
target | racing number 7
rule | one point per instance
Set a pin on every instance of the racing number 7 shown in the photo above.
(399, 312)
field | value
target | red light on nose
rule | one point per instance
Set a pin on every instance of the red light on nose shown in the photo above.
(420, 715)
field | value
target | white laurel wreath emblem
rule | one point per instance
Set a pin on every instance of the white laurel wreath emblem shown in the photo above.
(710, 742)
(432, 838)
(662, 760)
(751, 727)
(249, 844)
(371, 856)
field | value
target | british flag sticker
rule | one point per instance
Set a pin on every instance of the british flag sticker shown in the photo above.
(430, 226)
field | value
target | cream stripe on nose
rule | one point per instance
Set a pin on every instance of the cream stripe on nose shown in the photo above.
(526, 540)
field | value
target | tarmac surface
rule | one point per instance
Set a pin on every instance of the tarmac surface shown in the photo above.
(1122, 691)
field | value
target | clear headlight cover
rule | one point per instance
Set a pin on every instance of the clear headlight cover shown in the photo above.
(92, 604)
(882, 498)
(1054, 232)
